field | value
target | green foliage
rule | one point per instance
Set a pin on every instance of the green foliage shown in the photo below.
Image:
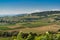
(19, 36)
(46, 36)
(30, 37)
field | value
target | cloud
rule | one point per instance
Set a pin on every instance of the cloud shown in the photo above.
(32, 11)
(7, 12)
(55, 9)
(37, 10)
(20, 11)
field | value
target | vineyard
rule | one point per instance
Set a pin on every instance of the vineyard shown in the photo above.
(34, 36)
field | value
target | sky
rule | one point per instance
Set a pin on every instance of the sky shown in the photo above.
(27, 6)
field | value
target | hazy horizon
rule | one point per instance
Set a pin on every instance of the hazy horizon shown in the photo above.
(8, 7)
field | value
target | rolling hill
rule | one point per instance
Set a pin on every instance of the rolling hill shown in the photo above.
(33, 20)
